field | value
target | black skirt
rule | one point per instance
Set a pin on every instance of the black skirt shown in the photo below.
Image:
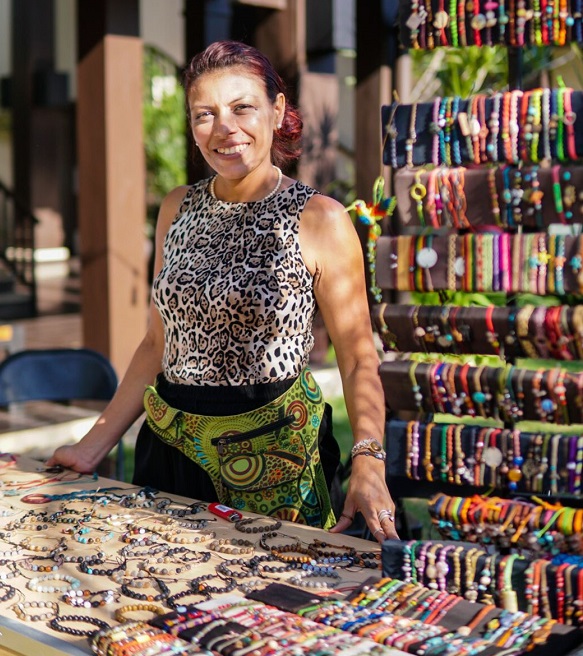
(167, 469)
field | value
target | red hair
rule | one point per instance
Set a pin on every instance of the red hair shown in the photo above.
(286, 146)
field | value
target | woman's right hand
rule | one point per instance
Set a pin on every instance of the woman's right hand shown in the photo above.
(74, 457)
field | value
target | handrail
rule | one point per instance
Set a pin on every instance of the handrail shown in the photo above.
(17, 243)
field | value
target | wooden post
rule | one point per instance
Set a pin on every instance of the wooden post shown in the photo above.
(112, 208)
(374, 88)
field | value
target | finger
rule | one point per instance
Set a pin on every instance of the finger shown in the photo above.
(344, 521)
(380, 534)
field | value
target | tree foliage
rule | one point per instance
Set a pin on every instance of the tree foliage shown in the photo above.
(164, 127)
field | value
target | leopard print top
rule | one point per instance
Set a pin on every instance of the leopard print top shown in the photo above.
(234, 293)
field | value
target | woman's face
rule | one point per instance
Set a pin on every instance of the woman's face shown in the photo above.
(233, 120)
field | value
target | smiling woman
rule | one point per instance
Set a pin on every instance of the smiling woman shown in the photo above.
(243, 259)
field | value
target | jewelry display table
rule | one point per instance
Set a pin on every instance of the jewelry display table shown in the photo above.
(79, 547)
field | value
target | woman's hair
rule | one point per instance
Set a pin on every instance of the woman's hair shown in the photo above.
(220, 55)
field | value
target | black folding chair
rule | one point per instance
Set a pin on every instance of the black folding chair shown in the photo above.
(61, 375)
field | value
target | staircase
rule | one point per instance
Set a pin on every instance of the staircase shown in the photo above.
(18, 287)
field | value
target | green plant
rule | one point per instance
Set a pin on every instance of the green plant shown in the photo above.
(465, 71)
(164, 128)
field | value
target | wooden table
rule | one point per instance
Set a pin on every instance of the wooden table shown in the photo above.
(23, 637)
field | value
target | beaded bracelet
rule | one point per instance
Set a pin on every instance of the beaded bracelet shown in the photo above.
(70, 583)
(89, 599)
(46, 610)
(56, 625)
(243, 525)
(164, 590)
(232, 546)
(122, 612)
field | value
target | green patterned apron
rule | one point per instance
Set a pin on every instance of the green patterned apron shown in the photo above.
(265, 461)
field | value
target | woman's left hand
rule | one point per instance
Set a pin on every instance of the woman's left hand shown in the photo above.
(368, 493)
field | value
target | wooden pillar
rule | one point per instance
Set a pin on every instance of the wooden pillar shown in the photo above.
(112, 207)
(374, 88)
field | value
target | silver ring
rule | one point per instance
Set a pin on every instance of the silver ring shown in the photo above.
(386, 514)
(379, 530)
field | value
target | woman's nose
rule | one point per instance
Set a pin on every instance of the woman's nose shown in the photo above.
(224, 123)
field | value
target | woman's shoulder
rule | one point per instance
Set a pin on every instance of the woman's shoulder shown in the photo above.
(175, 202)
(324, 210)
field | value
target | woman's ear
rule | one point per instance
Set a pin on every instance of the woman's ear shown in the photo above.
(279, 107)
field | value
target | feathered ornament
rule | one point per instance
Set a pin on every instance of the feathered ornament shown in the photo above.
(371, 215)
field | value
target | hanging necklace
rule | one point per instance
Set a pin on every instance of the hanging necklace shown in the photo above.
(272, 193)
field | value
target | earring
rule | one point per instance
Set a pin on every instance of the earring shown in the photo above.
(279, 126)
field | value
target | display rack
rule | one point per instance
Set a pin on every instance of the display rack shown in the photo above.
(488, 201)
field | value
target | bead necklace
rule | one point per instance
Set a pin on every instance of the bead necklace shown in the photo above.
(211, 187)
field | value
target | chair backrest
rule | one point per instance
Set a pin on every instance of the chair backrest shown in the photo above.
(62, 374)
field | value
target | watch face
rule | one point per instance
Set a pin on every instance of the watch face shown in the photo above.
(375, 446)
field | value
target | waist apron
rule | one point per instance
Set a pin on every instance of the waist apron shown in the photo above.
(276, 456)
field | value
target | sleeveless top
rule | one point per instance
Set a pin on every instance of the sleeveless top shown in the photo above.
(235, 296)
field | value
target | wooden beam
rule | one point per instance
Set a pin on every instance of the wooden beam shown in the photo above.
(374, 88)
(112, 208)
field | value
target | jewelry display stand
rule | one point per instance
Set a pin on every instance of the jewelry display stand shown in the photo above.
(489, 200)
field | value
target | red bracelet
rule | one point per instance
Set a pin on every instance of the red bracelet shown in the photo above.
(569, 118)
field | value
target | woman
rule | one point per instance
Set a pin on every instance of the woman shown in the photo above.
(242, 260)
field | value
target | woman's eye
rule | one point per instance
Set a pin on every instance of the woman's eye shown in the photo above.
(201, 116)
(242, 108)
